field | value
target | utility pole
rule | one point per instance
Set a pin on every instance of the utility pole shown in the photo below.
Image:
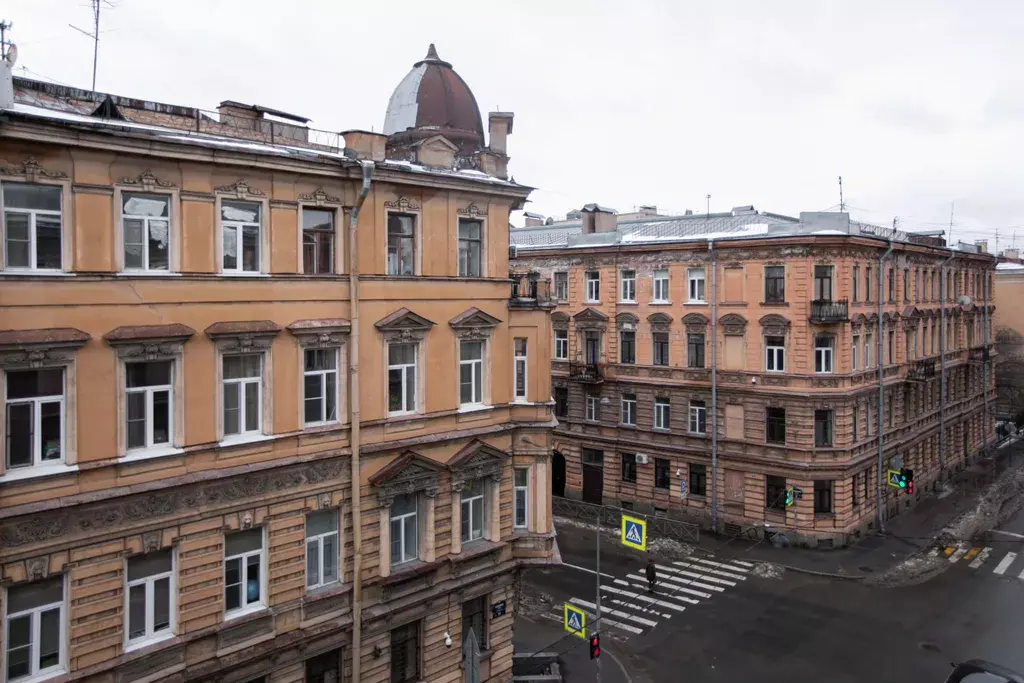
(880, 359)
(597, 600)
(95, 35)
(842, 204)
(950, 243)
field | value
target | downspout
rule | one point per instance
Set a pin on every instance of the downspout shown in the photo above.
(714, 388)
(942, 368)
(353, 392)
(879, 358)
(984, 362)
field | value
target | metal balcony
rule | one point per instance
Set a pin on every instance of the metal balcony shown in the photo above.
(827, 311)
(529, 290)
(977, 354)
(592, 373)
(921, 370)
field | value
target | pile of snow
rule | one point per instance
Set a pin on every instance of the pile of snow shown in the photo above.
(768, 570)
(669, 547)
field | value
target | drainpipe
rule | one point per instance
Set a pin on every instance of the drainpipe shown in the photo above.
(353, 392)
(879, 358)
(942, 367)
(984, 364)
(714, 388)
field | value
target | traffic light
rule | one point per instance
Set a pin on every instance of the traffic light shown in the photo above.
(907, 479)
(595, 646)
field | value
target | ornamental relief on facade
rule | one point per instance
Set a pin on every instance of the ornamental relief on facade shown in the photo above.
(146, 181)
(31, 171)
(319, 197)
(241, 189)
(403, 204)
(95, 518)
(35, 358)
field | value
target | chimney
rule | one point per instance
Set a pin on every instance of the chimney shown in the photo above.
(533, 219)
(689, 212)
(500, 125)
(365, 145)
(597, 218)
(1012, 254)
(743, 210)
(982, 246)
(649, 210)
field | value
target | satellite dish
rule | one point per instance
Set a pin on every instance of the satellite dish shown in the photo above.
(12, 54)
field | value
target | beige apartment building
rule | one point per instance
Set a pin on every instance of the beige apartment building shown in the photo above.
(766, 326)
(272, 411)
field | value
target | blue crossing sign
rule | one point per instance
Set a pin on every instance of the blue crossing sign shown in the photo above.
(575, 621)
(634, 533)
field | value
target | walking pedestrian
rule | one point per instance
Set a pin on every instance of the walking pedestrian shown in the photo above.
(652, 575)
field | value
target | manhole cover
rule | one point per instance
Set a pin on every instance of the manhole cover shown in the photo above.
(866, 570)
(931, 647)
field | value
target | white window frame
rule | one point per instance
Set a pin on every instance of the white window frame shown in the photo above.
(520, 368)
(627, 409)
(417, 240)
(772, 355)
(146, 220)
(318, 540)
(337, 248)
(660, 287)
(239, 228)
(523, 502)
(65, 191)
(243, 434)
(391, 530)
(627, 286)
(662, 413)
(37, 420)
(853, 352)
(405, 368)
(695, 286)
(482, 256)
(826, 355)
(466, 506)
(35, 636)
(696, 413)
(867, 351)
(243, 558)
(322, 374)
(148, 582)
(565, 279)
(593, 286)
(148, 392)
(478, 396)
(592, 408)
(561, 344)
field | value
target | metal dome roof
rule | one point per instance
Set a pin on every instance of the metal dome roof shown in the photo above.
(433, 99)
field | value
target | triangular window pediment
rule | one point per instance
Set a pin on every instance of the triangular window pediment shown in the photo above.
(476, 461)
(409, 473)
(404, 325)
(590, 314)
(474, 317)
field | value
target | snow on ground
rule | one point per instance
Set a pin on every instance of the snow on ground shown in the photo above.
(768, 570)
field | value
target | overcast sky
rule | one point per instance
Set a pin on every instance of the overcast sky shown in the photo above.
(916, 104)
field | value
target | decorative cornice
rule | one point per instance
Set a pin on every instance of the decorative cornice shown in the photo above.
(256, 335)
(402, 204)
(31, 171)
(403, 326)
(146, 181)
(149, 342)
(472, 210)
(321, 334)
(319, 197)
(241, 189)
(36, 348)
(103, 517)
(409, 473)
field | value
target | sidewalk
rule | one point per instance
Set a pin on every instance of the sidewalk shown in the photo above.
(905, 534)
(536, 635)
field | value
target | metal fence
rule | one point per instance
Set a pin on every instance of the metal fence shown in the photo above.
(610, 515)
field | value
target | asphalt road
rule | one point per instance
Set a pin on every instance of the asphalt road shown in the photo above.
(794, 627)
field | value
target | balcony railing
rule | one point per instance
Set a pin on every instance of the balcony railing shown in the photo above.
(922, 370)
(828, 311)
(529, 290)
(977, 354)
(586, 372)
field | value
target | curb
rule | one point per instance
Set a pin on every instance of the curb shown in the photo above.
(826, 575)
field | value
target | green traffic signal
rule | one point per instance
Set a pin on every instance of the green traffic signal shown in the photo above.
(790, 497)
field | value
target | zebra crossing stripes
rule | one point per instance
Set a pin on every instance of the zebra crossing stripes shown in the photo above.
(977, 557)
(1004, 563)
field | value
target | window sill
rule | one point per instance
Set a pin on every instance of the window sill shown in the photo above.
(314, 427)
(627, 302)
(245, 612)
(476, 548)
(660, 303)
(662, 430)
(146, 642)
(243, 274)
(591, 302)
(404, 415)
(474, 408)
(775, 304)
(695, 303)
(150, 453)
(146, 273)
(242, 439)
(35, 273)
(409, 570)
(36, 472)
(45, 676)
(623, 425)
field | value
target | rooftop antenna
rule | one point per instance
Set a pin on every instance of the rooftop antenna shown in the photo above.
(951, 224)
(709, 206)
(842, 204)
(95, 35)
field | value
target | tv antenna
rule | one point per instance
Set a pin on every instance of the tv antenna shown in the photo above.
(842, 204)
(95, 35)
(8, 50)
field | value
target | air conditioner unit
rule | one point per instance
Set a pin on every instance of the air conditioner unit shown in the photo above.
(513, 251)
(642, 459)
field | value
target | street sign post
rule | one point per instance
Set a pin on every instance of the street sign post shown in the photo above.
(895, 479)
(682, 488)
(634, 533)
(575, 621)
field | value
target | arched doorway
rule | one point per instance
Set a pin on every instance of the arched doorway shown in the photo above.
(557, 474)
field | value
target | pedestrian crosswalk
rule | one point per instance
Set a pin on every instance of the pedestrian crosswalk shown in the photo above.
(628, 607)
(984, 558)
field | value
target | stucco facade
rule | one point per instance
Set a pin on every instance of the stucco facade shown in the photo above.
(796, 343)
(178, 470)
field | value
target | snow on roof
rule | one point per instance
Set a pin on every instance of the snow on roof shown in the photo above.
(1008, 266)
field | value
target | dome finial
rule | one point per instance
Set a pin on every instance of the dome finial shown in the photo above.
(432, 58)
(432, 53)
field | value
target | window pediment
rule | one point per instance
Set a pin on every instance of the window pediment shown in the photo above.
(241, 189)
(590, 318)
(626, 321)
(774, 325)
(659, 322)
(695, 322)
(320, 332)
(409, 473)
(733, 324)
(560, 321)
(37, 347)
(243, 335)
(473, 324)
(475, 461)
(149, 342)
(404, 325)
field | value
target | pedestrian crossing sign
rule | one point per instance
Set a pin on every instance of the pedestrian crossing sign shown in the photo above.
(634, 533)
(575, 621)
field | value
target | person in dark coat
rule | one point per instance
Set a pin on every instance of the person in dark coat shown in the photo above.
(652, 575)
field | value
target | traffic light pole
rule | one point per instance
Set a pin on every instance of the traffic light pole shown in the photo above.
(597, 599)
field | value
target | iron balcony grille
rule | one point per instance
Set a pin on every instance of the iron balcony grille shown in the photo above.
(829, 311)
(922, 370)
(586, 372)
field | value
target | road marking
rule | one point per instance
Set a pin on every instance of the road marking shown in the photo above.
(971, 553)
(723, 566)
(1021, 575)
(706, 572)
(745, 564)
(681, 572)
(955, 557)
(604, 623)
(933, 552)
(649, 600)
(980, 559)
(584, 569)
(641, 581)
(634, 606)
(949, 550)
(613, 612)
(1005, 563)
(1007, 533)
